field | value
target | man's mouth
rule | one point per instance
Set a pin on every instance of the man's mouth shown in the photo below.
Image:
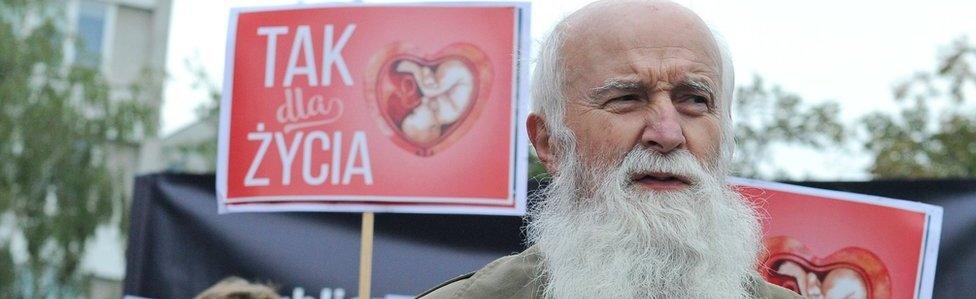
(661, 181)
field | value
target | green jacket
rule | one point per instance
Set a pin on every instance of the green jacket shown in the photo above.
(514, 277)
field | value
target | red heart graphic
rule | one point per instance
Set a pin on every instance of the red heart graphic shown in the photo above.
(851, 272)
(426, 103)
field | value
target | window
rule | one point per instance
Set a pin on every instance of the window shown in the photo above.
(91, 33)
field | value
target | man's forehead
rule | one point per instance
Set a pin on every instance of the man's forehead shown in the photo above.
(636, 23)
(632, 28)
(621, 34)
(641, 64)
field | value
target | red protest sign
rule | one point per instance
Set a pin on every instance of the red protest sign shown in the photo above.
(409, 108)
(839, 245)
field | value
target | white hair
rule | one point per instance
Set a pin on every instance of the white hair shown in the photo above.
(548, 84)
(727, 97)
(600, 237)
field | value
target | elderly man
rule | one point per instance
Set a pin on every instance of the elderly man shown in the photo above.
(631, 118)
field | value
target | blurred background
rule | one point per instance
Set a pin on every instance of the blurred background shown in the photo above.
(93, 93)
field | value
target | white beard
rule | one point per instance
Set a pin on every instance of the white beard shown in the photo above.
(602, 236)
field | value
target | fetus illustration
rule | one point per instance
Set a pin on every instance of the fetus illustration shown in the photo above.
(848, 273)
(445, 91)
(425, 101)
(839, 283)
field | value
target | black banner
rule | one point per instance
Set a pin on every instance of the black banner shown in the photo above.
(179, 246)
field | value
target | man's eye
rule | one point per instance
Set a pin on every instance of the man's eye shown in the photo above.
(623, 103)
(626, 98)
(695, 105)
(700, 101)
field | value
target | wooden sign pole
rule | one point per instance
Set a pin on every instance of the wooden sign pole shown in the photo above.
(366, 255)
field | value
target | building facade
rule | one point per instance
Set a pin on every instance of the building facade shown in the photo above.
(127, 41)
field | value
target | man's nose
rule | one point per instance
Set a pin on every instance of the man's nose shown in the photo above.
(662, 132)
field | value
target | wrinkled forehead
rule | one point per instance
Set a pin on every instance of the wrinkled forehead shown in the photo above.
(603, 33)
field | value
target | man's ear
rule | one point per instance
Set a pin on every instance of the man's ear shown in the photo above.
(539, 135)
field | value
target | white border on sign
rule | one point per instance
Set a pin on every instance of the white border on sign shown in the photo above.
(358, 208)
(932, 238)
(515, 4)
(929, 253)
(522, 101)
(377, 198)
(223, 129)
(518, 153)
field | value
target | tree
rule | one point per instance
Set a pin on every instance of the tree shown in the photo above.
(764, 116)
(933, 134)
(199, 155)
(60, 126)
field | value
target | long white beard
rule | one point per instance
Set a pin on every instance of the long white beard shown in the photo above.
(601, 236)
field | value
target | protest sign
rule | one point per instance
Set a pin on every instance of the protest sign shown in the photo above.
(375, 108)
(839, 244)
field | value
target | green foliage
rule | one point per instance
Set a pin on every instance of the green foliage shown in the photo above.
(933, 134)
(59, 132)
(208, 113)
(210, 109)
(767, 115)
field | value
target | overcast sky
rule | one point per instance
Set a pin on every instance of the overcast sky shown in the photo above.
(847, 51)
